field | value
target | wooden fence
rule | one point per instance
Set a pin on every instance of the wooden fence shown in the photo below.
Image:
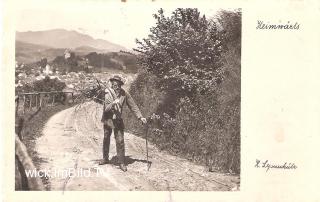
(36, 100)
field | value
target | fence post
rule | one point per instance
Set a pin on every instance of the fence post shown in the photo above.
(24, 103)
(40, 101)
(44, 100)
(36, 100)
(17, 104)
(72, 97)
(30, 100)
(53, 96)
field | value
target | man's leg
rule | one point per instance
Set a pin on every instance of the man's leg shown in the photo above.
(119, 136)
(107, 130)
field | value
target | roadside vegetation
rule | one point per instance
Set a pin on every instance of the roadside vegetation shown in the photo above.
(190, 76)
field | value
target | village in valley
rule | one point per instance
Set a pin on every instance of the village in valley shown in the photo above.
(75, 71)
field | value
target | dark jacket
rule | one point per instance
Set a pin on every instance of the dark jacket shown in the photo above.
(111, 112)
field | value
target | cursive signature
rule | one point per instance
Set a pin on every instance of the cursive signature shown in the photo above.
(268, 165)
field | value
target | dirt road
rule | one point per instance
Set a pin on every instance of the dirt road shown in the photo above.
(71, 147)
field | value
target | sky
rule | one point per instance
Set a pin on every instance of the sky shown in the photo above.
(117, 23)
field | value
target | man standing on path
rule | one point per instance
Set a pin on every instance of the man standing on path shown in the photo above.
(114, 100)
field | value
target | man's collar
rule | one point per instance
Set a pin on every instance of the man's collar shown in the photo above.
(120, 92)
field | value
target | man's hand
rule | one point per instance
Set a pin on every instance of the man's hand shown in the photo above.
(143, 120)
(116, 101)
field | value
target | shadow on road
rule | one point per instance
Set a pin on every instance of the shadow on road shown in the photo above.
(128, 160)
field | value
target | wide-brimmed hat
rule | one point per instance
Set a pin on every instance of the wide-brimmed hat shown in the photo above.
(117, 78)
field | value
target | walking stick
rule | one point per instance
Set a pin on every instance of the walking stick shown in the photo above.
(147, 128)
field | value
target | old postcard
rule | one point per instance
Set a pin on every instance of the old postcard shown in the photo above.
(161, 101)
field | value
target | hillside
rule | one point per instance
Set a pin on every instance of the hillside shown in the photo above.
(29, 53)
(61, 38)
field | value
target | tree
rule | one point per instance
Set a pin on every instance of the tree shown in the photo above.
(59, 60)
(72, 62)
(43, 63)
(183, 50)
(230, 22)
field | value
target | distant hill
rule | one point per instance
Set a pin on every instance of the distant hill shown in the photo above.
(61, 38)
(87, 49)
(29, 53)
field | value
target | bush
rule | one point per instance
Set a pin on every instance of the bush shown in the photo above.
(47, 85)
(205, 130)
(209, 131)
(144, 91)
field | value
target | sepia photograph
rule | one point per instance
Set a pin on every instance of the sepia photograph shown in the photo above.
(126, 99)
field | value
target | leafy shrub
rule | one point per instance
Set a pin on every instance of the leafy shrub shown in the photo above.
(47, 85)
(183, 51)
(148, 98)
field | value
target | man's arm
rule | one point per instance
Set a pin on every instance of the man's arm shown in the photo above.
(133, 106)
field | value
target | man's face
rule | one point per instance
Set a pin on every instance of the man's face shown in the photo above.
(115, 85)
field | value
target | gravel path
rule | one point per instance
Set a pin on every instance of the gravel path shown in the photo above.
(71, 146)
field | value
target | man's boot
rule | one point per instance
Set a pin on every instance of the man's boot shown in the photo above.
(123, 167)
(104, 161)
